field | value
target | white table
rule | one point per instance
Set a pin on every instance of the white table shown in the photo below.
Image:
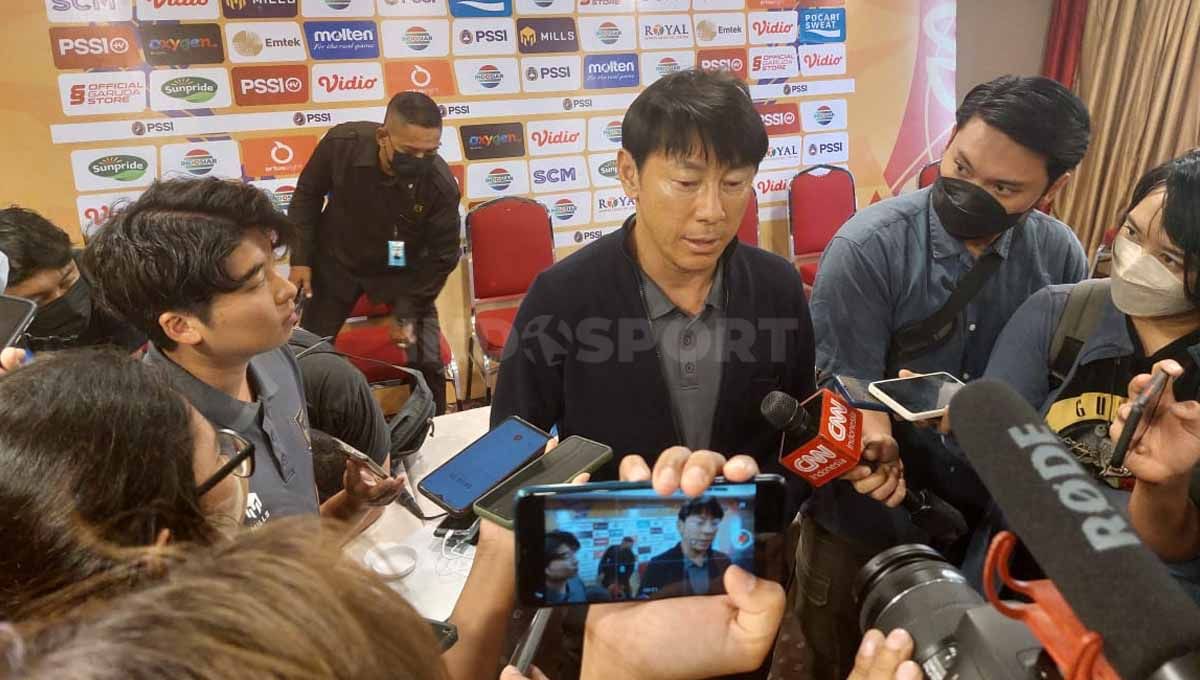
(434, 586)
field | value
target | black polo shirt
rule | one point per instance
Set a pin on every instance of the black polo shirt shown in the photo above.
(367, 208)
(276, 422)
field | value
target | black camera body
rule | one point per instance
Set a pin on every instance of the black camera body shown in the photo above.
(956, 633)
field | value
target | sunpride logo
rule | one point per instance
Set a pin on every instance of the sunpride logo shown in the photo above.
(198, 162)
(609, 169)
(190, 89)
(499, 179)
(121, 167)
(564, 209)
(417, 38)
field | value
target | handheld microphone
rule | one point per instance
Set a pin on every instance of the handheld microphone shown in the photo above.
(1086, 547)
(830, 432)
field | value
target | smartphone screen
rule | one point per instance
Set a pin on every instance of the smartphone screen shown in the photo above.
(921, 394)
(471, 473)
(573, 456)
(15, 316)
(614, 542)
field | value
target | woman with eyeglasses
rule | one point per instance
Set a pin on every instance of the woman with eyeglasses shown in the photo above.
(96, 450)
(1111, 331)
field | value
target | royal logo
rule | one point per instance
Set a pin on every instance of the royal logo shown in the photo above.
(417, 38)
(608, 33)
(119, 167)
(190, 89)
(489, 76)
(499, 179)
(608, 169)
(665, 31)
(564, 209)
(198, 162)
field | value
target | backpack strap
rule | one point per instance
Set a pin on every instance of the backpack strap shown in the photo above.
(1085, 305)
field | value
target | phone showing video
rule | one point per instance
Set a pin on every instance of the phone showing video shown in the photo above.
(619, 541)
(477, 469)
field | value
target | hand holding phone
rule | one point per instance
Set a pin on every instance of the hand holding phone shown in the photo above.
(1148, 399)
(917, 397)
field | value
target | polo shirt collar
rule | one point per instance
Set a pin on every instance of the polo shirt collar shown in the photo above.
(366, 152)
(945, 245)
(218, 407)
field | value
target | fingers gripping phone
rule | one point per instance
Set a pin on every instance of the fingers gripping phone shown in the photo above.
(617, 541)
(477, 469)
(919, 397)
(574, 456)
(1137, 410)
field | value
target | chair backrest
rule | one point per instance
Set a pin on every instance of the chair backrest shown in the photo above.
(820, 200)
(748, 230)
(364, 307)
(929, 174)
(510, 241)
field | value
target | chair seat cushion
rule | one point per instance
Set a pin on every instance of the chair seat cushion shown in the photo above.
(808, 272)
(372, 342)
(492, 327)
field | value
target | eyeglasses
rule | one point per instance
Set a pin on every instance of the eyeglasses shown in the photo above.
(238, 455)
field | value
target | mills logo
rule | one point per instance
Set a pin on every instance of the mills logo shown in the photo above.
(198, 162)
(499, 179)
(119, 167)
(260, 9)
(536, 36)
(564, 209)
(191, 89)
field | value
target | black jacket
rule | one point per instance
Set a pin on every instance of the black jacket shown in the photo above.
(366, 209)
(666, 576)
(549, 376)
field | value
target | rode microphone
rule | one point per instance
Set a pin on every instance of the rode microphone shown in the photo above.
(829, 430)
(1086, 547)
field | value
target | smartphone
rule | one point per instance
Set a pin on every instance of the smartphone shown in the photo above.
(574, 456)
(486, 462)
(15, 316)
(531, 641)
(919, 397)
(301, 300)
(445, 632)
(351, 452)
(857, 392)
(615, 541)
(455, 523)
(1137, 410)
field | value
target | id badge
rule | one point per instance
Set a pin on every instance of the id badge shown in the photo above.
(396, 256)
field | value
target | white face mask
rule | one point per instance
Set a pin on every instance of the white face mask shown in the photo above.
(1142, 286)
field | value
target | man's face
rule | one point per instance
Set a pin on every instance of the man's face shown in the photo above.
(563, 566)
(407, 138)
(46, 285)
(255, 318)
(698, 531)
(986, 157)
(688, 209)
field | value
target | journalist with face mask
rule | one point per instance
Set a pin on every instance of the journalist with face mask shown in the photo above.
(1111, 330)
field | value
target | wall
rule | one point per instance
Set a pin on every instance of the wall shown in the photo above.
(1001, 37)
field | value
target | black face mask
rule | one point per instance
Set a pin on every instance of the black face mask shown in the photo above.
(969, 212)
(59, 324)
(406, 165)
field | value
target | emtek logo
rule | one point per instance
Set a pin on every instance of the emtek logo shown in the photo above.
(823, 25)
(342, 39)
(609, 71)
(190, 89)
(121, 167)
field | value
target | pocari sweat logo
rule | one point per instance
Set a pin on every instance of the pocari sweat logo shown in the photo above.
(823, 25)
(481, 8)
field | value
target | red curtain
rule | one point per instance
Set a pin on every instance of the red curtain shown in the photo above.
(1064, 40)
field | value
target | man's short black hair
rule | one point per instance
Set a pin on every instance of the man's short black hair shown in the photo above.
(1181, 215)
(556, 540)
(1037, 113)
(686, 108)
(415, 108)
(701, 505)
(329, 464)
(32, 244)
(167, 250)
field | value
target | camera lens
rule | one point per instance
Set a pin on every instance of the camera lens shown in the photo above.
(914, 588)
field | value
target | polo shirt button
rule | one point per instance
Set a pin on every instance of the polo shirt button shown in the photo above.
(971, 328)
(966, 376)
(689, 367)
(687, 339)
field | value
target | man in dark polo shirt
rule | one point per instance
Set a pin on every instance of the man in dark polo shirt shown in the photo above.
(191, 264)
(390, 227)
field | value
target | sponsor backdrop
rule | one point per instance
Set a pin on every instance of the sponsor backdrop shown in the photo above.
(108, 95)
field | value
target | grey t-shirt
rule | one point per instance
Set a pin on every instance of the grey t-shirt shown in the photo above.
(276, 423)
(689, 348)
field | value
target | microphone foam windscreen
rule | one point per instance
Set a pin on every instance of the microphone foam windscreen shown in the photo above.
(1086, 546)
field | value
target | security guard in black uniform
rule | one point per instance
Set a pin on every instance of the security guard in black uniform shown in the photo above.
(390, 228)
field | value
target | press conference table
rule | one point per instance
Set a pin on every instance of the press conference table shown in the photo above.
(434, 586)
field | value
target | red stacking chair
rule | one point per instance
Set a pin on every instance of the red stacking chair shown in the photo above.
(510, 241)
(748, 230)
(366, 337)
(820, 200)
(929, 174)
